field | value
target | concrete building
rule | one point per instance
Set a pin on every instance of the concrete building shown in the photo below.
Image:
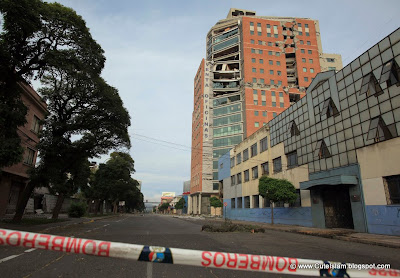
(13, 179)
(256, 67)
(342, 139)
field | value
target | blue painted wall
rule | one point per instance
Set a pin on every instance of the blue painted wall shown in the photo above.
(288, 216)
(225, 171)
(184, 210)
(384, 219)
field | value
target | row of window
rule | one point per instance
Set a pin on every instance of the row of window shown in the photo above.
(255, 92)
(278, 72)
(244, 202)
(304, 60)
(271, 81)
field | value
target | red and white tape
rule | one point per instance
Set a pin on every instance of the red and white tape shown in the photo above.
(234, 261)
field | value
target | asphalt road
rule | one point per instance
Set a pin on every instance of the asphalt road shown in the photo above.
(167, 231)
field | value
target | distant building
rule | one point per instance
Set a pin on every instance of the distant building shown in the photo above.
(255, 68)
(167, 197)
(13, 179)
(339, 145)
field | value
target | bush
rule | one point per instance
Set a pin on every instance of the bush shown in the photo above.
(77, 210)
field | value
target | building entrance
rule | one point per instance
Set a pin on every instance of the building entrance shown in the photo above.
(337, 207)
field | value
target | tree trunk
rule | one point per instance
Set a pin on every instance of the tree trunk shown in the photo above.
(22, 201)
(57, 208)
(101, 207)
(96, 206)
(272, 213)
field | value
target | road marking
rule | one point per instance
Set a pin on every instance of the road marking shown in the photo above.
(30, 250)
(106, 225)
(88, 231)
(10, 258)
(149, 270)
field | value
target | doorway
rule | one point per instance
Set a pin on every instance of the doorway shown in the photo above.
(337, 207)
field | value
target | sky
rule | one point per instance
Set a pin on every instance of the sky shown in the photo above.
(154, 48)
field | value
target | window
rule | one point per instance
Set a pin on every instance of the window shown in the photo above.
(309, 51)
(253, 60)
(301, 42)
(392, 189)
(255, 102)
(29, 156)
(246, 175)
(294, 97)
(331, 68)
(292, 159)
(271, 72)
(304, 69)
(306, 25)
(274, 114)
(273, 104)
(306, 79)
(279, 83)
(247, 202)
(264, 123)
(251, 32)
(311, 70)
(307, 34)
(279, 73)
(261, 61)
(268, 35)
(255, 92)
(263, 103)
(268, 25)
(260, 42)
(293, 130)
(254, 80)
(259, 33)
(310, 61)
(261, 80)
(277, 54)
(239, 178)
(390, 73)
(260, 51)
(300, 33)
(232, 162)
(239, 202)
(255, 113)
(256, 124)
(280, 94)
(269, 52)
(261, 70)
(254, 70)
(239, 159)
(265, 168)
(275, 35)
(278, 63)
(303, 60)
(321, 150)
(253, 50)
(264, 144)
(330, 60)
(36, 124)
(302, 51)
(264, 113)
(370, 85)
(252, 41)
(254, 171)
(277, 164)
(233, 180)
(281, 104)
(251, 23)
(253, 150)
(262, 92)
(233, 203)
(258, 24)
(378, 131)
(269, 43)
(308, 43)
(270, 62)
(329, 108)
(272, 82)
(245, 154)
(299, 24)
(256, 201)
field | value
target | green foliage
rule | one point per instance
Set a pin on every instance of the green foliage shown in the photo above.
(277, 190)
(77, 210)
(163, 206)
(180, 204)
(215, 202)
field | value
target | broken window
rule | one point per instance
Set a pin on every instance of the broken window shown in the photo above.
(321, 150)
(370, 86)
(390, 74)
(293, 129)
(378, 131)
(329, 108)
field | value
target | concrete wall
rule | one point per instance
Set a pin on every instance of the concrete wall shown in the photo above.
(289, 216)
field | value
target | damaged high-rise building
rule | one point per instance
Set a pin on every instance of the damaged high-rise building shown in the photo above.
(255, 67)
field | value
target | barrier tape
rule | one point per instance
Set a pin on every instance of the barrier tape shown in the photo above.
(221, 260)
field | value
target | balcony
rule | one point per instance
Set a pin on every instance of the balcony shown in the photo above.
(226, 85)
(226, 44)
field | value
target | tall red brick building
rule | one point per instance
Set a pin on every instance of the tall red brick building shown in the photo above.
(256, 67)
(14, 178)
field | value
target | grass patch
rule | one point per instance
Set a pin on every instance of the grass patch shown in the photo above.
(229, 227)
(35, 221)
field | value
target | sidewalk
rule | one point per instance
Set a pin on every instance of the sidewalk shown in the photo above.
(340, 234)
(46, 228)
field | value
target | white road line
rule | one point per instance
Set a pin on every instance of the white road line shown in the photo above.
(149, 270)
(30, 250)
(106, 225)
(10, 258)
(88, 231)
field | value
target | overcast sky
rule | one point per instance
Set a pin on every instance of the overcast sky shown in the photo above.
(153, 50)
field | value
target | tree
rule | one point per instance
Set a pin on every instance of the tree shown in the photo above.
(180, 204)
(215, 202)
(37, 37)
(277, 190)
(163, 207)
